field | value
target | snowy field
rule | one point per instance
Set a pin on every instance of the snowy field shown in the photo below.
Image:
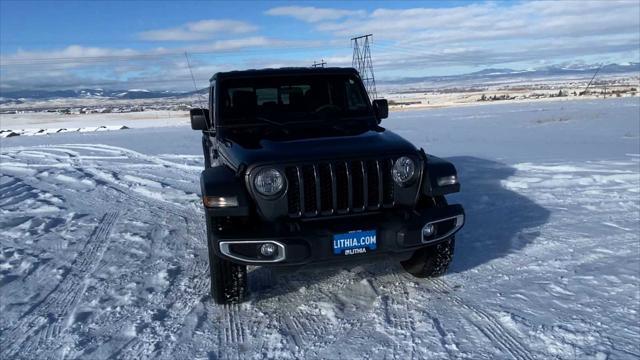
(103, 250)
(55, 121)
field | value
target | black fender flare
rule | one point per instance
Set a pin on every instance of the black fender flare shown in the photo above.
(435, 168)
(220, 181)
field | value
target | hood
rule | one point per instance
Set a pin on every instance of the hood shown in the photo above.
(368, 143)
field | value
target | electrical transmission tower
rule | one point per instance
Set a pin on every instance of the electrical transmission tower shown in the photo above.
(322, 63)
(362, 62)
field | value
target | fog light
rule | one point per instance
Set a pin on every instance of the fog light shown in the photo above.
(428, 230)
(268, 249)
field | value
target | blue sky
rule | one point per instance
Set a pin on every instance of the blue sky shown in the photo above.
(66, 44)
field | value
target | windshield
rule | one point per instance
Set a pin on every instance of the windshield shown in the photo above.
(292, 99)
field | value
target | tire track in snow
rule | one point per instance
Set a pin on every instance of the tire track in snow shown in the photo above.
(296, 329)
(85, 164)
(186, 290)
(131, 154)
(486, 323)
(307, 331)
(42, 324)
(231, 335)
(403, 322)
(17, 191)
(449, 346)
(397, 315)
(184, 294)
(12, 188)
(19, 198)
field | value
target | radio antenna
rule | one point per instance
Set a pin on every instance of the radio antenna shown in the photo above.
(202, 107)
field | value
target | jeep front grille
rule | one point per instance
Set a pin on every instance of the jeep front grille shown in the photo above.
(339, 187)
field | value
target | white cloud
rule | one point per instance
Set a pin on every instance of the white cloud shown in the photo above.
(199, 30)
(490, 34)
(77, 56)
(491, 21)
(313, 14)
(235, 44)
(479, 56)
(159, 68)
(69, 52)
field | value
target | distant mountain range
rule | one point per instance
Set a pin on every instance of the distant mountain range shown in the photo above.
(6, 96)
(549, 71)
(478, 76)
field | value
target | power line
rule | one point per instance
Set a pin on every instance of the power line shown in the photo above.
(362, 62)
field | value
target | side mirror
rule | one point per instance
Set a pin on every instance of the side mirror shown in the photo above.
(199, 119)
(381, 107)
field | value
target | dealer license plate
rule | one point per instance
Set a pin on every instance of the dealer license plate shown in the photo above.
(354, 242)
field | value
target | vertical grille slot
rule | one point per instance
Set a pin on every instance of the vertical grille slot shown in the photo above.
(342, 187)
(387, 182)
(373, 184)
(358, 185)
(310, 191)
(327, 188)
(293, 193)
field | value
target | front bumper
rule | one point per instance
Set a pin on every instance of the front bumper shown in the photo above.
(312, 241)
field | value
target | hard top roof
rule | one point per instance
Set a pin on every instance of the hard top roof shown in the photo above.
(299, 71)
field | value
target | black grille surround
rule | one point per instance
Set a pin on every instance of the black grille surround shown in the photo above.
(340, 187)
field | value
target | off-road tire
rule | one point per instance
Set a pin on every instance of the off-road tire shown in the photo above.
(434, 260)
(228, 280)
(431, 261)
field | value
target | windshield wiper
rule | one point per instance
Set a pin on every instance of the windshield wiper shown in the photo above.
(247, 121)
(343, 121)
(274, 124)
(268, 121)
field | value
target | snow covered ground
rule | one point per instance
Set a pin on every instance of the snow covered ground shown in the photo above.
(103, 250)
(45, 120)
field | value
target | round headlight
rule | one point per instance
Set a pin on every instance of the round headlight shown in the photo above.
(404, 170)
(269, 182)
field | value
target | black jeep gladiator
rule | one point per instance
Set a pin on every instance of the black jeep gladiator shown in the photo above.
(298, 170)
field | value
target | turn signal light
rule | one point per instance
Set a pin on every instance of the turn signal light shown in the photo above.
(220, 201)
(447, 180)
